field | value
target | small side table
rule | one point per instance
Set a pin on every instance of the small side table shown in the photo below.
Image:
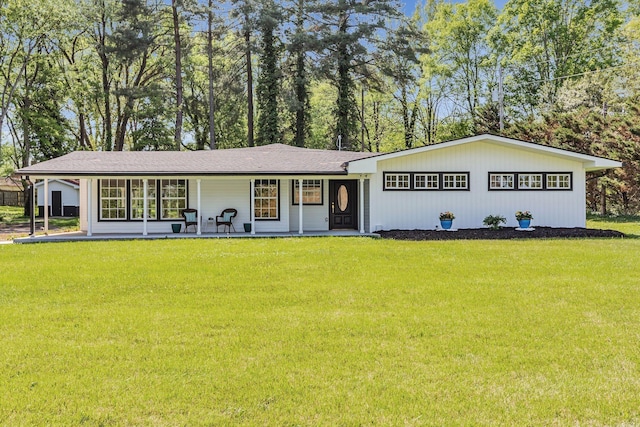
(208, 222)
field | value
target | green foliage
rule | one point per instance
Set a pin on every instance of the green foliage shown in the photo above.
(494, 221)
(543, 41)
(345, 37)
(269, 87)
(241, 332)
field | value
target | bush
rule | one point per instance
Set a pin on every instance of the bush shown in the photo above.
(494, 221)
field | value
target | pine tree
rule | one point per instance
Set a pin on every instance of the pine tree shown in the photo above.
(268, 87)
(347, 32)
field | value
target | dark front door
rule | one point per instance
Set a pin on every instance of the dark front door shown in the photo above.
(56, 203)
(343, 206)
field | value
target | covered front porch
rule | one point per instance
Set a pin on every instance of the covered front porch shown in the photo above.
(267, 206)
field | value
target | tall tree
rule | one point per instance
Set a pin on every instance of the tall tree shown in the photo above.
(268, 87)
(178, 76)
(348, 31)
(245, 11)
(24, 27)
(543, 42)
(298, 48)
(141, 61)
(458, 34)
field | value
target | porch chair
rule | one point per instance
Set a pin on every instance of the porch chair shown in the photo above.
(225, 218)
(190, 217)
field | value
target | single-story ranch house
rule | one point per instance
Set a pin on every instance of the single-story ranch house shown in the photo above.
(280, 188)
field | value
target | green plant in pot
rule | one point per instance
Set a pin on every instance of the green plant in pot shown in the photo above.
(446, 219)
(524, 218)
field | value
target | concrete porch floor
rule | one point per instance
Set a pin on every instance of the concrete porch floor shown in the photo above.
(80, 236)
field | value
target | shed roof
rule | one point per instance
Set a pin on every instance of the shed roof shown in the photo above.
(274, 159)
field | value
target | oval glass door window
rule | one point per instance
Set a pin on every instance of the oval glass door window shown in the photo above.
(343, 198)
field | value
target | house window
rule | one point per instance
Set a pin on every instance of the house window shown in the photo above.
(558, 181)
(501, 181)
(113, 199)
(530, 181)
(311, 192)
(266, 199)
(397, 181)
(424, 181)
(455, 181)
(136, 193)
(173, 198)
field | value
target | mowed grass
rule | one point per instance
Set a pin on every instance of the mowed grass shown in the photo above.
(627, 224)
(320, 331)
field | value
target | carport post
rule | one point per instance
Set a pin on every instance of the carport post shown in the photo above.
(145, 206)
(45, 188)
(300, 215)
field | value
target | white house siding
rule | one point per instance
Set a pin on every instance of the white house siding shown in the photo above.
(314, 217)
(216, 194)
(420, 209)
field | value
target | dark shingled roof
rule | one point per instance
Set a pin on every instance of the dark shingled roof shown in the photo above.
(271, 159)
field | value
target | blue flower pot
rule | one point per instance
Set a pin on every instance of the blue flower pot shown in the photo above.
(446, 223)
(524, 223)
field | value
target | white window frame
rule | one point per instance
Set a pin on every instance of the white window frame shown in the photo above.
(502, 181)
(397, 181)
(560, 179)
(267, 199)
(113, 194)
(431, 181)
(312, 192)
(136, 197)
(173, 200)
(455, 181)
(534, 181)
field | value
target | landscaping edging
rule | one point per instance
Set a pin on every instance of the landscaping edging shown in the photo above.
(503, 233)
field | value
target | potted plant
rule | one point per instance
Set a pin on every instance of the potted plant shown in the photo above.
(446, 220)
(494, 221)
(524, 218)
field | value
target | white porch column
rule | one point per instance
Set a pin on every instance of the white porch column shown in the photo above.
(199, 215)
(89, 203)
(300, 216)
(361, 213)
(45, 188)
(145, 205)
(252, 211)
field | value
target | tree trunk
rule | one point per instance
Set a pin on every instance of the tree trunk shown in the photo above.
(247, 41)
(178, 53)
(82, 134)
(300, 79)
(603, 200)
(106, 84)
(212, 127)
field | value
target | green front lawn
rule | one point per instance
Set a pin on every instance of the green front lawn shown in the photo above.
(628, 224)
(320, 331)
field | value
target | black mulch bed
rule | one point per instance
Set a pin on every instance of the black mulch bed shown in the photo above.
(502, 233)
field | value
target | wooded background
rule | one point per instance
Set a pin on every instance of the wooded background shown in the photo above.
(193, 75)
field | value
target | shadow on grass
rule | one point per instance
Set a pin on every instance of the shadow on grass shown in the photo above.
(628, 224)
